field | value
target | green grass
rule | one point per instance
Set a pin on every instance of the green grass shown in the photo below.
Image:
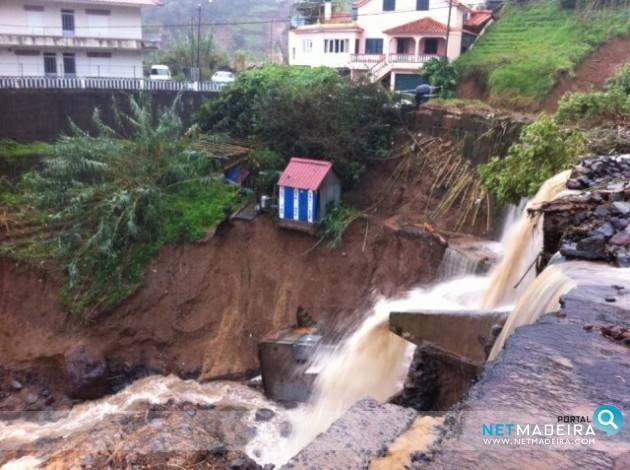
(520, 56)
(10, 148)
(195, 208)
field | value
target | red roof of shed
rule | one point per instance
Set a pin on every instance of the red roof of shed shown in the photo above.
(303, 173)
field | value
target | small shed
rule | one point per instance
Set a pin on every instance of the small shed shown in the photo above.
(305, 189)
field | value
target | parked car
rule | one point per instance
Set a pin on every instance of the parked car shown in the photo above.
(223, 76)
(160, 72)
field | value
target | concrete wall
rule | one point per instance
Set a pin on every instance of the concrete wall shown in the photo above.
(481, 134)
(43, 114)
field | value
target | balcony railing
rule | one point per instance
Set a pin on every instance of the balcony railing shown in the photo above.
(94, 83)
(410, 58)
(367, 58)
(392, 58)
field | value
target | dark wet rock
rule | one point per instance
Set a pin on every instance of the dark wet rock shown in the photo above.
(264, 414)
(602, 211)
(44, 393)
(588, 327)
(574, 184)
(218, 450)
(620, 239)
(621, 207)
(86, 374)
(592, 247)
(269, 466)
(618, 223)
(286, 428)
(585, 181)
(604, 230)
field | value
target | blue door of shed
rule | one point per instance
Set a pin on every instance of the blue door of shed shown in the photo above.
(303, 205)
(288, 203)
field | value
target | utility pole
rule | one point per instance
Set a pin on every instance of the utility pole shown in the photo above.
(199, 38)
(448, 26)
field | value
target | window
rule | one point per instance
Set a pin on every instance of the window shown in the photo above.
(355, 14)
(430, 46)
(50, 64)
(69, 65)
(67, 22)
(336, 46)
(99, 54)
(389, 5)
(373, 46)
(307, 46)
(422, 5)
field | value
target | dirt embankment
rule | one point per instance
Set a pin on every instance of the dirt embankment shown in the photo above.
(205, 306)
(590, 75)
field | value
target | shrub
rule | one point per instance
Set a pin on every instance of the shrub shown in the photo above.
(593, 108)
(543, 150)
(441, 73)
(313, 113)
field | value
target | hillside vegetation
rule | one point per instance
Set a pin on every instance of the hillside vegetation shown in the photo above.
(520, 56)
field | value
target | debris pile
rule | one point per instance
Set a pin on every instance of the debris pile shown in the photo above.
(591, 221)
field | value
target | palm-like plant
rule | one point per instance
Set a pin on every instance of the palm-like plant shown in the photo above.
(107, 192)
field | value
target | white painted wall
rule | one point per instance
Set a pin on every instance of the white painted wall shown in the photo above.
(123, 22)
(373, 21)
(315, 54)
(122, 64)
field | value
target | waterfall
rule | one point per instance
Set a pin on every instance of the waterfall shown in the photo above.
(361, 366)
(523, 242)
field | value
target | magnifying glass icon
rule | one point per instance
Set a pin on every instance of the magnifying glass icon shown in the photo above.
(608, 422)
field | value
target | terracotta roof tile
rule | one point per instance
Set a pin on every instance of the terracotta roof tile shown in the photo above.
(422, 26)
(478, 18)
(303, 173)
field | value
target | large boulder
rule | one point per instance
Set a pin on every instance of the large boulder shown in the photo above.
(85, 373)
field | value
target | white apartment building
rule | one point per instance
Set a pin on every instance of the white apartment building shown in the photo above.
(389, 39)
(73, 38)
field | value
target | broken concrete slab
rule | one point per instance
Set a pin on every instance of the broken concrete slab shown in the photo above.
(463, 333)
(361, 434)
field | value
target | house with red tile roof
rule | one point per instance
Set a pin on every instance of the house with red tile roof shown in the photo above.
(306, 188)
(387, 39)
(74, 38)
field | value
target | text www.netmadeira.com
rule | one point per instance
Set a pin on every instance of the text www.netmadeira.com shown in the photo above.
(538, 441)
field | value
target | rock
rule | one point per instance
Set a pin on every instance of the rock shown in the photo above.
(621, 207)
(16, 385)
(604, 230)
(618, 223)
(44, 393)
(286, 428)
(218, 451)
(588, 327)
(31, 399)
(85, 373)
(264, 414)
(585, 181)
(602, 211)
(592, 247)
(620, 239)
(611, 299)
(237, 464)
(574, 184)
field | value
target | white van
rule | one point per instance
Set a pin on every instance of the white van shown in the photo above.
(160, 72)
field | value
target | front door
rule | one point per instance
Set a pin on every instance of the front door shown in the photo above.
(402, 45)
